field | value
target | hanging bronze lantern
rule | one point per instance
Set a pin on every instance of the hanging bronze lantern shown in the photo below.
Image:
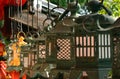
(16, 50)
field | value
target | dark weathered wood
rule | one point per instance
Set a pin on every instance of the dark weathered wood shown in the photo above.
(34, 21)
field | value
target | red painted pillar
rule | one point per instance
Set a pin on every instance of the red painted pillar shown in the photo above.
(24, 76)
(14, 74)
(2, 70)
(3, 65)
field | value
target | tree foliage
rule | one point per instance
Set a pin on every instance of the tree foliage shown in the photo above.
(61, 3)
(112, 5)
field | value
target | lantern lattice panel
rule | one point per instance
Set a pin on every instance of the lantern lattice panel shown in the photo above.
(29, 58)
(29, 55)
(104, 47)
(42, 51)
(94, 49)
(104, 44)
(85, 46)
(63, 49)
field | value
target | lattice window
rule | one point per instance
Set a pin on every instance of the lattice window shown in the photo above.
(104, 46)
(63, 49)
(85, 46)
(42, 51)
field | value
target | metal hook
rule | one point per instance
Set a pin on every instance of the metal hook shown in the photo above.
(48, 16)
(56, 19)
(47, 19)
(84, 27)
(114, 25)
(21, 33)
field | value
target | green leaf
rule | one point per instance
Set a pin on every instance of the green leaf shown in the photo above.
(1, 23)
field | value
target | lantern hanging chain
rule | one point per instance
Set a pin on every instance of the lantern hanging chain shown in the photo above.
(102, 1)
(58, 3)
(28, 19)
(76, 2)
(19, 14)
(68, 1)
(48, 15)
(32, 21)
(17, 10)
(37, 14)
(9, 10)
(11, 23)
(31, 2)
(49, 8)
(38, 18)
